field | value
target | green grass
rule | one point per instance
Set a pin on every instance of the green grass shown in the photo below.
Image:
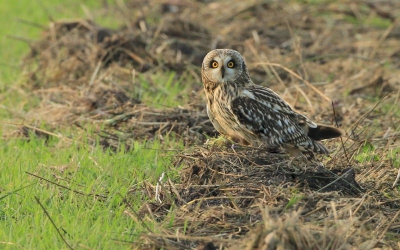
(37, 12)
(294, 199)
(367, 153)
(165, 89)
(375, 21)
(82, 218)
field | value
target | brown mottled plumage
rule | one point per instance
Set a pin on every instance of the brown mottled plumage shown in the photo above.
(253, 114)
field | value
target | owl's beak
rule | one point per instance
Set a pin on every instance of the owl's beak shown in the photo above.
(222, 72)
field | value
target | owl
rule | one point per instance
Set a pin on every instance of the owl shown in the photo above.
(255, 115)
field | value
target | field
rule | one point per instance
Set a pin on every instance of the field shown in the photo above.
(106, 143)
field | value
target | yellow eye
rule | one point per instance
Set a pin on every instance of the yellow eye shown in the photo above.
(231, 64)
(214, 64)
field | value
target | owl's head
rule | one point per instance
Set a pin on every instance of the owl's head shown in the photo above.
(223, 65)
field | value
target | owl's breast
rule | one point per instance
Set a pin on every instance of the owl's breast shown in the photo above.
(224, 120)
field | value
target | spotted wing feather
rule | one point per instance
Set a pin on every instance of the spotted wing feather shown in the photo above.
(270, 99)
(276, 126)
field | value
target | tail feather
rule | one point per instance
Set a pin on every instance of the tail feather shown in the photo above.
(322, 132)
(319, 148)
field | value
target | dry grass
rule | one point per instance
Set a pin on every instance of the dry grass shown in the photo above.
(82, 73)
(224, 194)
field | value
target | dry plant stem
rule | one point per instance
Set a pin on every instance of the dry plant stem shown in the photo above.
(256, 54)
(307, 99)
(333, 182)
(37, 129)
(22, 39)
(397, 178)
(388, 225)
(30, 23)
(356, 123)
(383, 37)
(136, 214)
(15, 191)
(52, 222)
(219, 197)
(95, 73)
(297, 47)
(186, 237)
(75, 191)
(300, 78)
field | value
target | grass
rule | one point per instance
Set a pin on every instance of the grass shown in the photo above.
(293, 201)
(92, 217)
(164, 89)
(68, 173)
(36, 12)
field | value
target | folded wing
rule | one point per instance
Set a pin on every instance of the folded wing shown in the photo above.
(272, 100)
(273, 121)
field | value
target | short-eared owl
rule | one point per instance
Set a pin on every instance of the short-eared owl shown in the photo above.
(256, 115)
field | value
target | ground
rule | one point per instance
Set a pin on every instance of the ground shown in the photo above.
(137, 87)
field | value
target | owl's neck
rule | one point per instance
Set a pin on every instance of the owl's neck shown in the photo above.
(225, 91)
(229, 89)
(223, 94)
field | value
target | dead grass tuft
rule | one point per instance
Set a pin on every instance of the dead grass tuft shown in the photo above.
(224, 194)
